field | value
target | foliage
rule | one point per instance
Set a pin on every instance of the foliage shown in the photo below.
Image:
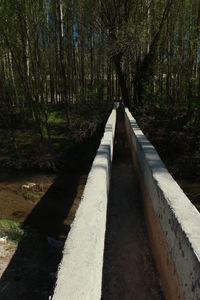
(33, 153)
(58, 55)
(11, 229)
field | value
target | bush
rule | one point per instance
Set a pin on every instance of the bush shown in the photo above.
(11, 229)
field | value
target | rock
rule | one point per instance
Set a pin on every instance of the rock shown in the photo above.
(29, 185)
(3, 239)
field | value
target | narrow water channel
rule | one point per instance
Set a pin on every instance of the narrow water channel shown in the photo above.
(129, 271)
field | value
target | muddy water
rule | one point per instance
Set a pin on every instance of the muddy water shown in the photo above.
(28, 270)
(16, 202)
(129, 271)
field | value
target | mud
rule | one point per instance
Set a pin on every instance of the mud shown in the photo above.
(129, 271)
(16, 203)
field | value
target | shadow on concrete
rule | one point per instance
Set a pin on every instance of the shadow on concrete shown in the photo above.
(31, 273)
(152, 157)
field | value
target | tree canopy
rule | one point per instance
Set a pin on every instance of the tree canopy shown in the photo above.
(81, 51)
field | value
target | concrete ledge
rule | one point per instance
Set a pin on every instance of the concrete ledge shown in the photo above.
(173, 222)
(80, 272)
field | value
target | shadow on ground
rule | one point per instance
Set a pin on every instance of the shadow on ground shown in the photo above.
(31, 273)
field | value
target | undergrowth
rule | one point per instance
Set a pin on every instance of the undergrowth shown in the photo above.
(11, 230)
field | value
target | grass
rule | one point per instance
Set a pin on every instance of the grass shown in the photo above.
(11, 229)
(57, 118)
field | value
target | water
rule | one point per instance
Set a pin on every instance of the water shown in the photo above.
(16, 202)
(28, 269)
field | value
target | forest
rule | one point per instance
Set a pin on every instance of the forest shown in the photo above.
(63, 64)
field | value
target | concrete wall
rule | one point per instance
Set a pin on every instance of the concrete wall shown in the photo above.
(172, 221)
(80, 271)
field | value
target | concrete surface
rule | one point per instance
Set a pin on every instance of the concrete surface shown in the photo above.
(80, 272)
(174, 223)
(129, 271)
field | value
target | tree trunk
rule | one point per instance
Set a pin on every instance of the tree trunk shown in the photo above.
(121, 78)
(62, 57)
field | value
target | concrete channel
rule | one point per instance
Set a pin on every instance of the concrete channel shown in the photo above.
(129, 271)
(135, 235)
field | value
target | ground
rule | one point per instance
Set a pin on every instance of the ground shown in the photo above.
(29, 151)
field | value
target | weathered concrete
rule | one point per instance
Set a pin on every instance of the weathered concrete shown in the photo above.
(173, 222)
(80, 273)
(128, 271)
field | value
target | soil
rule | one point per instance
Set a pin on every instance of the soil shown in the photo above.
(7, 250)
(28, 269)
(129, 271)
